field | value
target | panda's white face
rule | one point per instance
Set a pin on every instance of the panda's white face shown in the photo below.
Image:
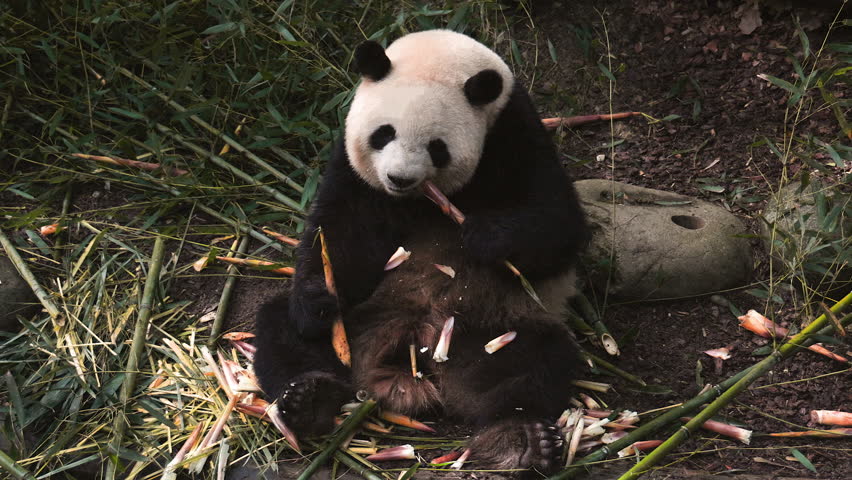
(422, 119)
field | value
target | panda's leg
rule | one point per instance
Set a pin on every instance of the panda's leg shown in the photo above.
(513, 395)
(303, 375)
(382, 340)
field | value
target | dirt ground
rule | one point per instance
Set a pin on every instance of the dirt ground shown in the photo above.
(690, 59)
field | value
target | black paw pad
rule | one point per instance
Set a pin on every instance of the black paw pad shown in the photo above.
(310, 402)
(544, 447)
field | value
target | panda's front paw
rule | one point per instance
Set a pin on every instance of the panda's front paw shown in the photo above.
(311, 400)
(486, 239)
(313, 310)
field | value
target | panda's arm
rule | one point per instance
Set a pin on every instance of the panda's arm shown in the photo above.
(532, 216)
(359, 242)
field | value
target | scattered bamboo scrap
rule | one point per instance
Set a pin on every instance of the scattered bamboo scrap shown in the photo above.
(757, 323)
(432, 192)
(832, 417)
(281, 238)
(338, 331)
(126, 162)
(568, 122)
(588, 311)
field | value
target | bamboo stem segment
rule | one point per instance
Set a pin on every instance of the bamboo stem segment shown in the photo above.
(136, 346)
(18, 472)
(225, 298)
(348, 426)
(28, 276)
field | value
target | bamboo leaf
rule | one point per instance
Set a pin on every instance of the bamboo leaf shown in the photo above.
(803, 459)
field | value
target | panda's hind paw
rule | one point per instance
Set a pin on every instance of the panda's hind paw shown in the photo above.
(311, 400)
(518, 443)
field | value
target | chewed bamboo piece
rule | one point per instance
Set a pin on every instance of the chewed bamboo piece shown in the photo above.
(397, 259)
(443, 347)
(432, 192)
(405, 421)
(725, 429)
(281, 238)
(402, 452)
(251, 262)
(126, 162)
(500, 342)
(338, 331)
(757, 323)
(832, 417)
(553, 123)
(833, 433)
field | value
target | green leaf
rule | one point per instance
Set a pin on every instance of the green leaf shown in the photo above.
(222, 27)
(713, 188)
(669, 118)
(552, 50)
(668, 203)
(606, 72)
(780, 83)
(127, 113)
(803, 459)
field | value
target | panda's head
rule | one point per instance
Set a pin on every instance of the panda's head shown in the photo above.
(423, 109)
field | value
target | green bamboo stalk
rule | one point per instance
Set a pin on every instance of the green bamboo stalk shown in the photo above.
(358, 467)
(66, 207)
(788, 349)
(221, 162)
(349, 425)
(177, 193)
(28, 276)
(225, 298)
(613, 369)
(215, 131)
(578, 323)
(18, 472)
(137, 344)
(588, 311)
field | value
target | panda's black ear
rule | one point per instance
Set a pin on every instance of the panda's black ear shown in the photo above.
(370, 61)
(483, 88)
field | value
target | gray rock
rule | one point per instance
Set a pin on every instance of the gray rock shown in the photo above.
(666, 245)
(16, 297)
(800, 233)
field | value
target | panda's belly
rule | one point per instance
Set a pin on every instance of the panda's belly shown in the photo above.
(489, 295)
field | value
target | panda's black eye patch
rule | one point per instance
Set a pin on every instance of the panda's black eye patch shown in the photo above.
(439, 153)
(382, 136)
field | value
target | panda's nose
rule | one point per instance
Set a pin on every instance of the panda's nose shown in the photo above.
(401, 182)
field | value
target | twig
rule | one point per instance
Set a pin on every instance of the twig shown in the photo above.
(788, 349)
(28, 276)
(136, 346)
(433, 193)
(225, 298)
(568, 122)
(348, 426)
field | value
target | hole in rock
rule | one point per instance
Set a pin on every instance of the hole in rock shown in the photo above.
(688, 221)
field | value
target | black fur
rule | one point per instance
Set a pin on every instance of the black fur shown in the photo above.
(520, 206)
(483, 88)
(370, 60)
(438, 151)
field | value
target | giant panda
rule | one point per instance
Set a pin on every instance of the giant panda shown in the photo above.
(438, 106)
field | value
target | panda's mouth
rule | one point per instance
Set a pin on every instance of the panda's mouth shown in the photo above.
(401, 192)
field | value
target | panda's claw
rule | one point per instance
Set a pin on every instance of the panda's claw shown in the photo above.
(310, 404)
(518, 443)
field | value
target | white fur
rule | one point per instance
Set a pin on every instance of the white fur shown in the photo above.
(423, 99)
